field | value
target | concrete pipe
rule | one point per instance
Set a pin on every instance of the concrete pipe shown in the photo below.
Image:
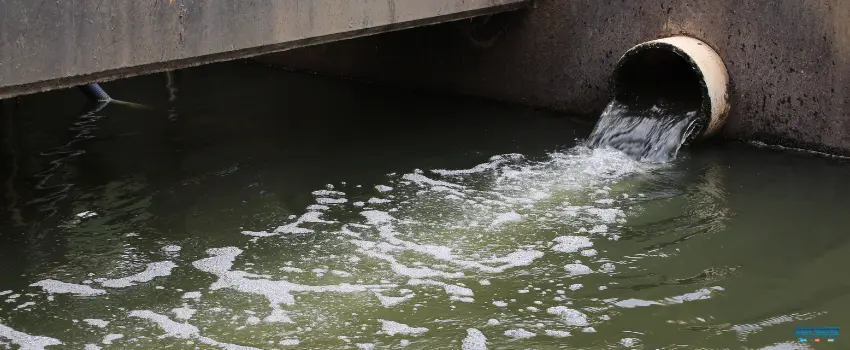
(680, 69)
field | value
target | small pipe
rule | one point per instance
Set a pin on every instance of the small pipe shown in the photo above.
(95, 93)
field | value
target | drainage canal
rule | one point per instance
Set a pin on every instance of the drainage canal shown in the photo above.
(301, 212)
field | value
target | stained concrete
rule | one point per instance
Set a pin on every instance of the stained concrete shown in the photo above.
(54, 44)
(789, 61)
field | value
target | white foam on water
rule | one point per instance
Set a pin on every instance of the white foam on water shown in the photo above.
(556, 333)
(291, 269)
(365, 346)
(294, 227)
(701, 294)
(500, 303)
(519, 334)
(171, 248)
(86, 214)
(577, 269)
(629, 342)
(25, 305)
(392, 328)
(704, 293)
(183, 313)
(570, 317)
(5, 292)
(633, 303)
(450, 289)
(278, 316)
(571, 244)
(153, 270)
(328, 193)
(92, 347)
(424, 181)
(493, 322)
(59, 287)
(192, 295)
(109, 338)
(96, 322)
(504, 218)
(576, 286)
(277, 292)
(475, 340)
(589, 252)
(178, 330)
(325, 201)
(26, 341)
(374, 200)
(462, 299)
(259, 233)
(388, 301)
(289, 342)
(409, 239)
(493, 164)
(412, 272)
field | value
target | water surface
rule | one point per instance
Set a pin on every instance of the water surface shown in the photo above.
(303, 212)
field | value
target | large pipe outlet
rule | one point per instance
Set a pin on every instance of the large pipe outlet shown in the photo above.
(680, 69)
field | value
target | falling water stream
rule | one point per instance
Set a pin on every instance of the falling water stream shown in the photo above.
(312, 213)
(653, 134)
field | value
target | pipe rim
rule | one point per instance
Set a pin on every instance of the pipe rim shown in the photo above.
(714, 106)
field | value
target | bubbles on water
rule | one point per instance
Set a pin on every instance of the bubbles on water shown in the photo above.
(519, 333)
(422, 242)
(475, 340)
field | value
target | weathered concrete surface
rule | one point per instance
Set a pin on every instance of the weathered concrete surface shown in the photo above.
(789, 61)
(52, 44)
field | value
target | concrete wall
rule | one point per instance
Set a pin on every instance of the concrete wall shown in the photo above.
(789, 61)
(52, 44)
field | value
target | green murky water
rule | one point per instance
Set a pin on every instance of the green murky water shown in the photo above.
(304, 212)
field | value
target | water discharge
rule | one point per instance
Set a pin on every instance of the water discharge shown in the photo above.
(654, 133)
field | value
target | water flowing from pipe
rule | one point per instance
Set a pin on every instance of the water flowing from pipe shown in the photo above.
(653, 133)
